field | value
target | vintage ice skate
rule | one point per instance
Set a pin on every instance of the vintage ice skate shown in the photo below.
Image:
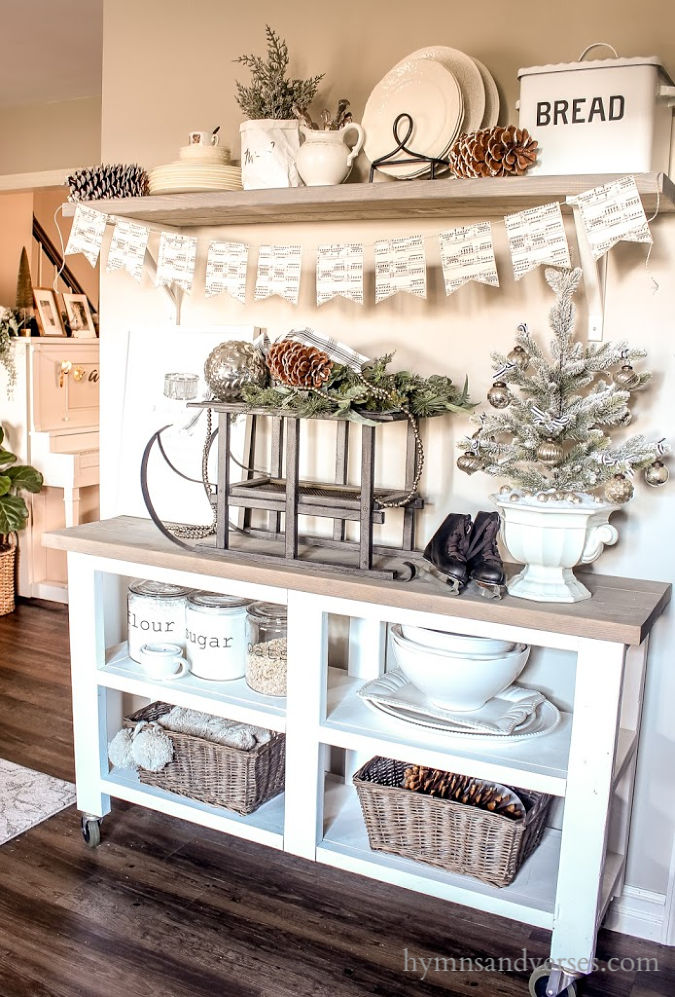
(484, 565)
(446, 550)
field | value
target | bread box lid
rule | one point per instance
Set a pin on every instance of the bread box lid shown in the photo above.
(565, 67)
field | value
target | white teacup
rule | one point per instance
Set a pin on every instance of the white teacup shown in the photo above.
(163, 661)
(203, 138)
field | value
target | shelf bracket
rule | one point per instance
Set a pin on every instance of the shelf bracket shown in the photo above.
(595, 278)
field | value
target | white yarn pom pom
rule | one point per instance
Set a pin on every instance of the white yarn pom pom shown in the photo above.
(152, 748)
(119, 750)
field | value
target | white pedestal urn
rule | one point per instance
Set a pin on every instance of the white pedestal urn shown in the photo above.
(268, 150)
(550, 538)
(325, 158)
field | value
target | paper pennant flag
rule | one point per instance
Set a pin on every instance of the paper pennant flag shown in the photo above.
(339, 272)
(127, 248)
(86, 235)
(226, 264)
(400, 265)
(611, 213)
(176, 260)
(467, 254)
(278, 272)
(537, 236)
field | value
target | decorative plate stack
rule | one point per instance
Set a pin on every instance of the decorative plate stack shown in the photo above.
(199, 168)
(445, 91)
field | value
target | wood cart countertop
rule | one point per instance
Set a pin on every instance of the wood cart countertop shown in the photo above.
(622, 610)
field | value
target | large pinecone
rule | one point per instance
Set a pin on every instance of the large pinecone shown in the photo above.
(463, 789)
(493, 152)
(105, 181)
(297, 365)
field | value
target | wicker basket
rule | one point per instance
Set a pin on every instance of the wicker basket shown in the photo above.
(215, 773)
(444, 833)
(7, 580)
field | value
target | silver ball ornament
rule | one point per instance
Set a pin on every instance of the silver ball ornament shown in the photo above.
(515, 497)
(505, 489)
(626, 378)
(574, 499)
(550, 452)
(469, 462)
(618, 489)
(498, 395)
(542, 497)
(231, 366)
(656, 474)
(519, 357)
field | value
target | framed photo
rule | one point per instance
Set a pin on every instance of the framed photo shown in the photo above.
(49, 317)
(79, 316)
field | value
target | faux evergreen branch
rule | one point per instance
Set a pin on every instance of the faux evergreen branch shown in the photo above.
(569, 397)
(271, 94)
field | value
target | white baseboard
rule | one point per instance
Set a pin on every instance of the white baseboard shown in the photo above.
(639, 913)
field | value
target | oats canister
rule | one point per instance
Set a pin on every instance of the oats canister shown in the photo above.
(155, 613)
(266, 655)
(215, 636)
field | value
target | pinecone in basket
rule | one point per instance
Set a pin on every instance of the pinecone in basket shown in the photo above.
(105, 181)
(493, 152)
(462, 789)
(297, 365)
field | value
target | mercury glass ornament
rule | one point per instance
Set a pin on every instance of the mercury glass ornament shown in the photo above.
(505, 489)
(656, 474)
(542, 497)
(618, 489)
(232, 365)
(626, 378)
(550, 452)
(574, 499)
(515, 497)
(498, 395)
(469, 462)
(519, 357)
(626, 418)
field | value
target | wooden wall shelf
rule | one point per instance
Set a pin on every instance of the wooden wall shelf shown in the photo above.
(362, 201)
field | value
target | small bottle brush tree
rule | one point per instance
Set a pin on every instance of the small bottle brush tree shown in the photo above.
(552, 438)
(271, 93)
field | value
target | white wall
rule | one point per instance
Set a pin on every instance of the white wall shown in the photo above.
(451, 336)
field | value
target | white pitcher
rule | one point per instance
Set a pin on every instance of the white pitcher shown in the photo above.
(325, 157)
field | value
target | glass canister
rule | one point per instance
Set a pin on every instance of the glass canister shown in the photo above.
(215, 636)
(155, 612)
(266, 655)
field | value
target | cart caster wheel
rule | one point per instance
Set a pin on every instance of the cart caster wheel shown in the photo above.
(91, 831)
(539, 980)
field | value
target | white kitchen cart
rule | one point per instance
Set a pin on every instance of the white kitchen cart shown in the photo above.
(588, 760)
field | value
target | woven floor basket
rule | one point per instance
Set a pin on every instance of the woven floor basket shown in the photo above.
(215, 773)
(444, 833)
(7, 580)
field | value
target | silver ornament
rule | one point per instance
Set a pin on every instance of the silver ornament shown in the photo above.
(626, 418)
(550, 452)
(574, 499)
(515, 497)
(626, 378)
(232, 365)
(656, 474)
(519, 357)
(469, 462)
(498, 395)
(618, 489)
(542, 497)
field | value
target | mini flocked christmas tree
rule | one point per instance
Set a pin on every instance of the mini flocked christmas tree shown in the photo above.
(550, 435)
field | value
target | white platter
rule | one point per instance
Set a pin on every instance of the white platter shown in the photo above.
(468, 76)
(431, 95)
(491, 113)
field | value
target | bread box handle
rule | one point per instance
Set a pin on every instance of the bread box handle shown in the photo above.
(598, 45)
(669, 93)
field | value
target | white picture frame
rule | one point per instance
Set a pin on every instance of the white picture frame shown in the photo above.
(79, 315)
(48, 314)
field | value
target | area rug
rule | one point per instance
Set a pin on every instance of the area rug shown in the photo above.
(28, 797)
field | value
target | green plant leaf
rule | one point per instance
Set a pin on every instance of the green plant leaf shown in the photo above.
(13, 514)
(25, 478)
(6, 457)
(5, 484)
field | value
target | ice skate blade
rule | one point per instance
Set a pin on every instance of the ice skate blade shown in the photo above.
(487, 590)
(454, 584)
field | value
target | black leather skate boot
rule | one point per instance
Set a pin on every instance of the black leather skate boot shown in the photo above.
(447, 549)
(484, 564)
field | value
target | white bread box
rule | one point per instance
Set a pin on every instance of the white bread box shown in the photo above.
(603, 116)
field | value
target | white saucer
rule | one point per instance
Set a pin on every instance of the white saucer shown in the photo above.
(545, 718)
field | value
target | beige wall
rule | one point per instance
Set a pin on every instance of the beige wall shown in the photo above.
(16, 226)
(148, 107)
(50, 136)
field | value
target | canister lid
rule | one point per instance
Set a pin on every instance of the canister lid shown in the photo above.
(565, 67)
(215, 602)
(158, 590)
(267, 612)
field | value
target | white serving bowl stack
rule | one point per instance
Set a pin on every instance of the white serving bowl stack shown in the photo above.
(457, 672)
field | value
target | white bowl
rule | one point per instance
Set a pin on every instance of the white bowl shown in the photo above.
(454, 642)
(458, 683)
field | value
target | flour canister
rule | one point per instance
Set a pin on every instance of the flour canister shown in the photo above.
(155, 613)
(215, 635)
(601, 116)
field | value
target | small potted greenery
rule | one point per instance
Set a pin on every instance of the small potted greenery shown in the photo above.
(270, 138)
(14, 478)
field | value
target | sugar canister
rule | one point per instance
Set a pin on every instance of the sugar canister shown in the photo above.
(155, 612)
(215, 635)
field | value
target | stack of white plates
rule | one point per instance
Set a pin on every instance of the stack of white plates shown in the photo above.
(207, 168)
(445, 91)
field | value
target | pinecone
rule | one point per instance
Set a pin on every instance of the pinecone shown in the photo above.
(493, 152)
(462, 789)
(105, 181)
(297, 365)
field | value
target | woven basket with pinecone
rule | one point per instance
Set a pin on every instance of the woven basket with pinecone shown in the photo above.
(297, 365)
(493, 152)
(105, 181)
(464, 789)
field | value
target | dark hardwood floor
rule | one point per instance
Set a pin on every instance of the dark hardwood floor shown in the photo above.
(166, 909)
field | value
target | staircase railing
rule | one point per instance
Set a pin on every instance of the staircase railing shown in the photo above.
(54, 257)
